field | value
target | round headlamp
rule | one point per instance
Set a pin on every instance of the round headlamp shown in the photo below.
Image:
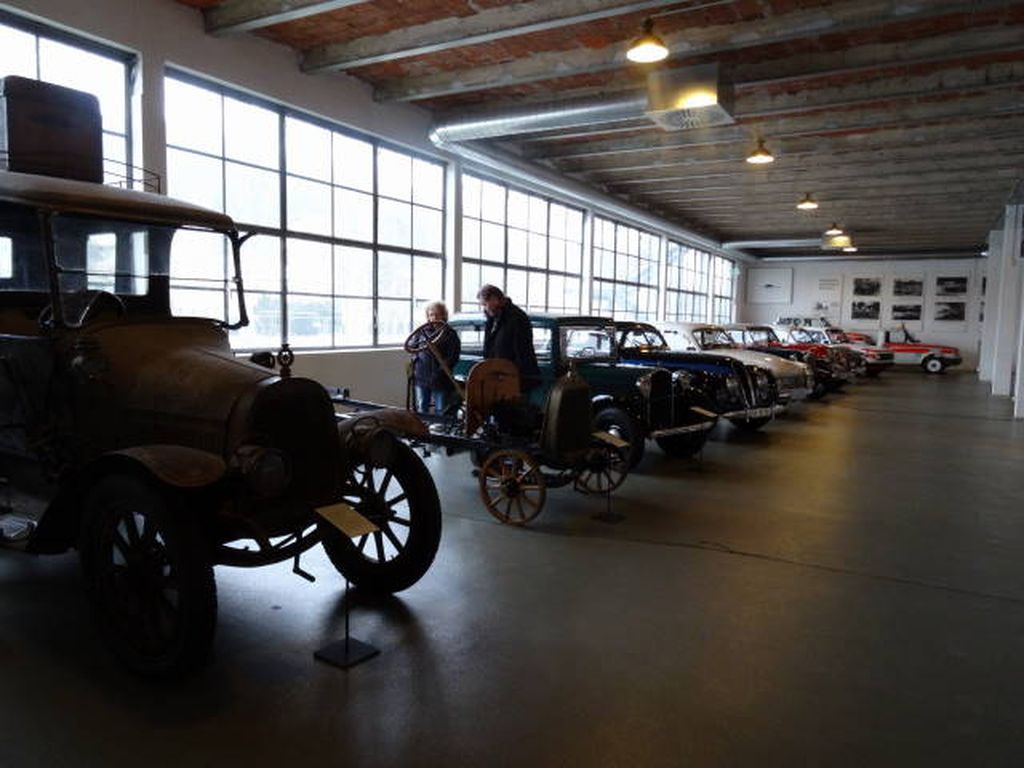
(266, 471)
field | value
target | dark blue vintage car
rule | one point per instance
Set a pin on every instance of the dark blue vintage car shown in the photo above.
(632, 401)
(744, 394)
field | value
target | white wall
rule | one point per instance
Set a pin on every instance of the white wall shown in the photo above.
(812, 286)
(165, 33)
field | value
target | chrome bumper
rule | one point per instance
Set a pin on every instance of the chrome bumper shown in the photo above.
(704, 426)
(753, 413)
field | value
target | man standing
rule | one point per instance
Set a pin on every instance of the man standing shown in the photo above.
(509, 335)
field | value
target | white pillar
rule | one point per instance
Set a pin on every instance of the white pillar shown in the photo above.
(587, 286)
(148, 114)
(1018, 395)
(453, 236)
(991, 297)
(1007, 334)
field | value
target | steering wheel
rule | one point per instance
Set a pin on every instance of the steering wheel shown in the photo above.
(93, 304)
(425, 335)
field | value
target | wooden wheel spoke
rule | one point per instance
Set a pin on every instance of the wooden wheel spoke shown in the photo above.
(397, 499)
(361, 544)
(395, 542)
(378, 540)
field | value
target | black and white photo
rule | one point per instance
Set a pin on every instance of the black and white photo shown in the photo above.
(867, 286)
(908, 286)
(950, 286)
(950, 311)
(906, 311)
(865, 310)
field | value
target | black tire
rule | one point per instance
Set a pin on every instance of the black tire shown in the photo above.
(933, 365)
(751, 425)
(149, 577)
(821, 388)
(686, 444)
(384, 561)
(618, 422)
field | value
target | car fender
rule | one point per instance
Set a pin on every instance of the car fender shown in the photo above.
(175, 465)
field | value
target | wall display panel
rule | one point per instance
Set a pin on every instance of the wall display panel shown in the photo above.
(950, 311)
(908, 287)
(865, 310)
(905, 312)
(867, 286)
(950, 286)
(769, 286)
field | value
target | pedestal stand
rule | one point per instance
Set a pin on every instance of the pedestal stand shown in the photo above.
(347, 652)
(608, 516)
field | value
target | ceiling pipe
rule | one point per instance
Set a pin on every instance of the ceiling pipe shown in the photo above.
(452, 135)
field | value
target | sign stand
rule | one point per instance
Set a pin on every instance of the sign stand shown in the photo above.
(347, 652)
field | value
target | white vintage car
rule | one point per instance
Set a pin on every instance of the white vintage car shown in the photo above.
(795, 379)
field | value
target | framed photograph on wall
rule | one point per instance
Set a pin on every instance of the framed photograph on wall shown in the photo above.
(950, 286)
(908, 286)
(950, 311)
(867, 286)
(865, 310)
(905, 312)
(769, 286)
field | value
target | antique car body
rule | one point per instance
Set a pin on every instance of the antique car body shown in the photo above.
(800, 337)
(876, 359)
(633, 402)
(140, 438)
(795, 380)
(934, 358)
(831, 370)
(745, 395)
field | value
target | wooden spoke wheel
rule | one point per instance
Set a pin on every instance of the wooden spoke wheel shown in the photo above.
(426, 335)
(512, 486)
(605, 469)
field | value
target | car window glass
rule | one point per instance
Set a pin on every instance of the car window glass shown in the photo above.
(22, 261)
(542, 343)
(587, 343)
(471, 337)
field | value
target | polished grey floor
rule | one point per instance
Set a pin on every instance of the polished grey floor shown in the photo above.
(845, 588)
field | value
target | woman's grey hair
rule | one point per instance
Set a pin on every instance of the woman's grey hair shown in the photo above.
(439, 307)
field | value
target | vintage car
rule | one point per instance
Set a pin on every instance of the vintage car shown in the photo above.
(831, 369)
(632, 402)
(794, 380)
(138, 437)
(876, 359)
(934, 358)
(800, 337)
(745, 395)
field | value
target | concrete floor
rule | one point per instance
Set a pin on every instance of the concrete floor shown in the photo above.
(845, 588)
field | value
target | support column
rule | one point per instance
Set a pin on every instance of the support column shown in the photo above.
(587, 286)
(148, 117)
(453, 235)
(1007, 327)
(992, 296)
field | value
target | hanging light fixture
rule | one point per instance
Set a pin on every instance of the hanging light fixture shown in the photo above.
(835, 229)
(850, 249)
(648, 48)
(761, 155)
(808, 203)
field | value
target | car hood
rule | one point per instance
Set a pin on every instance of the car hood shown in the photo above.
(779, 366)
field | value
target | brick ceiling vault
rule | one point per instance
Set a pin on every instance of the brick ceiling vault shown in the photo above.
(903, 118)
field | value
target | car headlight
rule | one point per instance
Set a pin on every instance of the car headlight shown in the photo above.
(644, 385)
(266, 471)
(763, 382)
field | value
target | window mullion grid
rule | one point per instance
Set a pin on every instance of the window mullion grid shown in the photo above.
(282, 186)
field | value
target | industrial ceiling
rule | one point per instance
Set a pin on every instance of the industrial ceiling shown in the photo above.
(903, 119)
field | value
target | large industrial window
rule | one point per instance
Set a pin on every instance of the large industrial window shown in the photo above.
(688, 282)
(527, 245)
(351, 233)
(32, 50)
(625, 271)
(723, 287)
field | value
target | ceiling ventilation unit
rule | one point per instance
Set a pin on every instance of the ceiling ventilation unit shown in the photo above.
(689, 97)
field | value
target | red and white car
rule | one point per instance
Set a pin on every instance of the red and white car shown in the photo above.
(934, 358)
(876, 359)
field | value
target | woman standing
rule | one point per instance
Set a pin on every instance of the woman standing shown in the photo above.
(433, 388)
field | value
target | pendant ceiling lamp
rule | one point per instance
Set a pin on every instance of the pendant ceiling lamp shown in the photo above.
(835, 229)
(808, 203)
(761, 155)
(648, 48)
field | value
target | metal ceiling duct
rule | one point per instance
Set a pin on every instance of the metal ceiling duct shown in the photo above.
(665, 94)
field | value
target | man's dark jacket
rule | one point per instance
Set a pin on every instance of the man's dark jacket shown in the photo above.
(509, 335)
